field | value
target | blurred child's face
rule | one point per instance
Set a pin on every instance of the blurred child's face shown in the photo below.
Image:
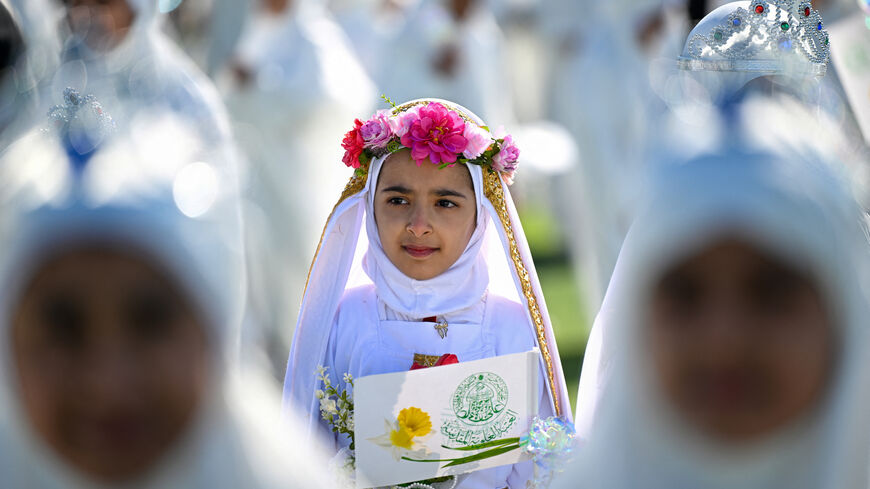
(103, 24)
(276, 7)
(112, 361)
(741, 342)
(425, 216)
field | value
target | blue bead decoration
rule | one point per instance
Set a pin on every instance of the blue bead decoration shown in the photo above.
(736, 22)
(819, 27)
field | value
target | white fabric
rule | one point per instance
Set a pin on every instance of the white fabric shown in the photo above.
(305, 85)
(480, 81)
(601, 93)
(461, 286)
(761, 183)
(368, 338)
(338, 268)
(146, 69)
(20, 96)
(138, 192)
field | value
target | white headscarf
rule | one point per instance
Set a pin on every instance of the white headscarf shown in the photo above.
(157, 189)
(338, 267)
(764, 181)
(461, 286)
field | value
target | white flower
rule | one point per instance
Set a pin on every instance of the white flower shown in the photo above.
(348, 378)
(321, 370)
(350, 422)
(327, 406)
(319, 394)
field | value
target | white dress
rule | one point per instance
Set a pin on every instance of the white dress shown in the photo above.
(361, 345)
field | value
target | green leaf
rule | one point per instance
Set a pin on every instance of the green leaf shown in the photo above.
(490, 444)
(482, 456)
(389, 101)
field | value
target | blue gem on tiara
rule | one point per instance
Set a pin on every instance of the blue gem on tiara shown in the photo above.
(736, 22)
(819, 27)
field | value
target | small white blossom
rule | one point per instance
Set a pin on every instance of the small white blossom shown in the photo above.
(348, 378)
(328, 406)
(319, 394)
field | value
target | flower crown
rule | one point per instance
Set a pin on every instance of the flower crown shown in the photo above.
(760, 39)
(434, 132)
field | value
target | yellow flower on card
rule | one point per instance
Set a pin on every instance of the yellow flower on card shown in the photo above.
(401, 438)
(416, 421)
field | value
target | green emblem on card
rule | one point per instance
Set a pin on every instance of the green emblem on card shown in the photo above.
(480, 411)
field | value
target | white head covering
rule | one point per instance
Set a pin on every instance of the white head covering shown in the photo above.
(767, 182)
(461, 286)
(157, 189)
(498, 246)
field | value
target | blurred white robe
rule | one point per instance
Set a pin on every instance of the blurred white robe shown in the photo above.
(480, 80)
(305, 89)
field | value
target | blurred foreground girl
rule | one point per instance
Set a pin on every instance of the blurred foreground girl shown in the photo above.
(121, 296)
(730, 349)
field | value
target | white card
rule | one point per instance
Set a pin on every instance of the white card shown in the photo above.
(850, 53)
(467, 404)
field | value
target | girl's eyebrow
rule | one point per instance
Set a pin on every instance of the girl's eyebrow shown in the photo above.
(446, 192)
(398, 189)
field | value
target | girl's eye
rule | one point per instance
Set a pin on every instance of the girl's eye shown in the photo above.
(446, 203)
(397, 201)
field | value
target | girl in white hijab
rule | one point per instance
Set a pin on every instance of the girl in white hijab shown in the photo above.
(121, 295)
(117, 51)
(730, 349)
(418, 262)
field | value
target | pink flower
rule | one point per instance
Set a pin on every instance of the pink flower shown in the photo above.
(376, 132)
(436, 134)
(505, 161)
(478, 139)
(401, 123)
(353, 145)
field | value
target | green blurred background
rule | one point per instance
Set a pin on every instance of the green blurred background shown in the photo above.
(562, 289)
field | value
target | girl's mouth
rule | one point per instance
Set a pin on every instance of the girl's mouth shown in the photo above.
(419, 251)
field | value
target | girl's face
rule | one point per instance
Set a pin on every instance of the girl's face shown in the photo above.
(425, 216)
(112, 361)
(103, 24)
(741, 342)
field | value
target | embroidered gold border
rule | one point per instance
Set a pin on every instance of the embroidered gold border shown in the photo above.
(492, 188)
(426, 360)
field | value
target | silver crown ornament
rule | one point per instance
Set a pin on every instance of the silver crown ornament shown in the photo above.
(760, 36)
